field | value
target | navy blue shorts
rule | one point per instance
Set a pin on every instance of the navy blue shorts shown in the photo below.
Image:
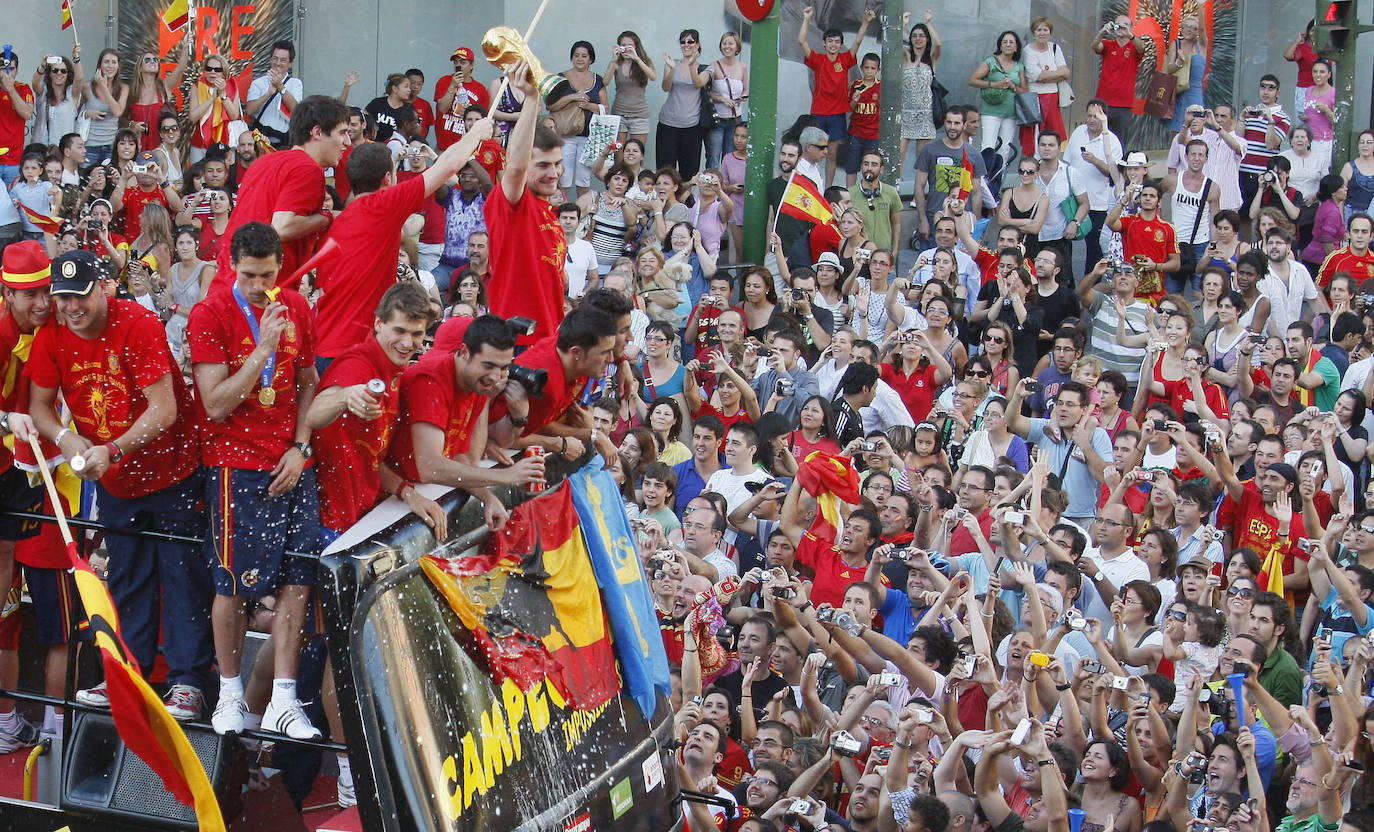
(17, 495)
(55, 602)
(836, 125)
(854, 152)
(251, 532)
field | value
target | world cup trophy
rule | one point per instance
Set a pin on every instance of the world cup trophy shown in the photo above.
(504, 48)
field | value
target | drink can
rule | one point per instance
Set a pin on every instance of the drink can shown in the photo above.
(376, 387)
(539, 485)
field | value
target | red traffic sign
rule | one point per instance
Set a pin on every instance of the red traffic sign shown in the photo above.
(755, 10)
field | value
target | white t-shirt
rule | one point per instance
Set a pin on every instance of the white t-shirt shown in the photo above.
(729, 485)
(1057, 189)
(1121, 570)
(1040, 62)
(1107, 147)
(581, 258)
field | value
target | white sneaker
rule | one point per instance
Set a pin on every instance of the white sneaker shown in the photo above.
(227, 719)
(26, 734)
(347, 796)
(96, 697)
(289, 719)
(185, 703)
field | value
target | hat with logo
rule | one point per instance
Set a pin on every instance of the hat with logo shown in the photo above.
(26, 266)
(77, 273)
(465, 53)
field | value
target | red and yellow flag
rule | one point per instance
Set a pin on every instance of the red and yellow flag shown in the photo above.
(831, 480)
(66, 14)
(176, 17)
(1271, 573)
(966, 176)
(139, 715)
(803, 200)
(45, 222)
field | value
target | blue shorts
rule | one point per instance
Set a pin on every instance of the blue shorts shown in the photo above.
(250, 532)
(55, 601)
(855, 150)
(835, 125)
(17, 495)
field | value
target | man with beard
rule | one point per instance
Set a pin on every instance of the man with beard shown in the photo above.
(1315, 796)
(1270, 621)
(756, 640)
(789, 229)
(445, 399)
(878, 202)
(1282, 394)
(1318, 381)
(901, 608)
(769, 783)
(773, 749)
(1287, 283)
(940, 168)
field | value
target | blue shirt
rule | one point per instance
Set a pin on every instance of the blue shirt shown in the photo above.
(689, 484)
(1080, 485)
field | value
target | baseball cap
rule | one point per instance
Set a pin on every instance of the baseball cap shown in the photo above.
(1286, 471)
(1198, 562)
(465, 53)
(25, 266)
(77, 273)
(828, 258)
(218, 150)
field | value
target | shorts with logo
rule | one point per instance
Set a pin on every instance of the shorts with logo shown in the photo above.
(250, 532)
(16, 494)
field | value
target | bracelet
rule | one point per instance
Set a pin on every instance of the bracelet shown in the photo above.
(986, 614)
(806, 606)
(1063, 687)
(564, 448)
(60, 434)
(685, 650)
(400, 489)
(1043, 763)
(904, 745)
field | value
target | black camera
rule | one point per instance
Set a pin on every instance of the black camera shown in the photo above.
(530, 378)
(1033, 386)
(521, 324)
(798, 294)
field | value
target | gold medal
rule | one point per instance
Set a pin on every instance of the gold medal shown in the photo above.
(267, 396)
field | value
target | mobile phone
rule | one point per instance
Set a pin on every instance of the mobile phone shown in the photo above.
(1034, 385)
(1022, 730)
(1120, 682)
(1015, 518)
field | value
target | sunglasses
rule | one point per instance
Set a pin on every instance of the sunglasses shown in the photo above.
(1269, 86)
(214, 69)
(1028, 171)
(169, 128)
(149, 59)
(994, 339)
(688, 42)
(1240, 592)
(1177, 615)
(978, 374)
(58, 70)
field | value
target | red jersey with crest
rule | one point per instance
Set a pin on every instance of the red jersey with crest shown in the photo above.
(254, 436)
(102, 381)
(430, 394)
(527, 254)
(349, 451)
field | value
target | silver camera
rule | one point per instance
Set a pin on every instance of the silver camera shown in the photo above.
(846, 745)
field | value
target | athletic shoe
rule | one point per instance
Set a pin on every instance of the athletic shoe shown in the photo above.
(289, 719)
(227, 719)
(347, 796)
(96, 697)
(26, 734)
(185, 703)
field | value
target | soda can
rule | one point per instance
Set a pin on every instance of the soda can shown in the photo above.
(376, 387)
(536, 486)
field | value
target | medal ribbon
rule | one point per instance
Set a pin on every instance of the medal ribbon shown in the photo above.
(269, 369)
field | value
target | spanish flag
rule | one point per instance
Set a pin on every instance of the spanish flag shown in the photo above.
(140, 716)
(45, 222)
(66, 14)
(803, 200)
(966, 177)
(1271, 573)
(176, 17)
(831, 480)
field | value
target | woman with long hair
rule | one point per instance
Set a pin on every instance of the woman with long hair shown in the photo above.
(733, 167)
(665, 420)
(870, 297)
(760, 301)
(815, 429)
(188, 280)
(853, 239)
(639, 445)
(729, 93)
(1025, 205)
(1046, 66)
(711, 212)
(774, 456)
(150, 259)
(1167, 366)
(1319, 113)
(59, 89)
(1328, 227)
(1137, 642)
(1226, 246)
(1358, 174)
(1188, 50)
(150, 93)
(1349, 437)
(920, 58)
(210, 229)
(468, 291)
(214, 104)
(1000, 440)
(998, 79)
(685, 247)
(666, 206)
(998, 341)
(660, 290)
(632, 70)
(107, 96)
(1223, 343)
(169, 156)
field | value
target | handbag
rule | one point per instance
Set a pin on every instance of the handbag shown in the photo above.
(601, 131)
(275, 137)
(1066, 96)
(1069, 205)
(939, 95)
(1027, 108)
(1187, 262)
(1159, 96)
(1183, 74)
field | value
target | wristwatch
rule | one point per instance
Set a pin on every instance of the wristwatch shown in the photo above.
(304, 448)
(1098, 577)
(5, 423)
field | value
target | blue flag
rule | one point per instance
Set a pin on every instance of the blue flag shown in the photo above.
(624, 588)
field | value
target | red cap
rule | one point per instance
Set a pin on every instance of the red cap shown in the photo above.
(449, 336)
(26, 266)
(465, 53)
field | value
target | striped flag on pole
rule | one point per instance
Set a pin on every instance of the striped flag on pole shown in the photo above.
(176, 17)
(50, 224)
(66, 14)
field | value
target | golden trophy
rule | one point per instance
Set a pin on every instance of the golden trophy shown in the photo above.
(504, 47)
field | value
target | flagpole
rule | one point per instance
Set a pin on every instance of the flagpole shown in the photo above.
(53, 496)
(505, 82)
(71, 12)
(778, 213)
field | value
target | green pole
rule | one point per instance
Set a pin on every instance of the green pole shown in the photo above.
(763, 130)
(890, 104)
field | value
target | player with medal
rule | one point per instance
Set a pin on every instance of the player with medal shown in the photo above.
(253, 355)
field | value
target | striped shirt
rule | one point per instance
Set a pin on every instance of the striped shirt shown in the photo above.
(1102, 338)
(1257, 153)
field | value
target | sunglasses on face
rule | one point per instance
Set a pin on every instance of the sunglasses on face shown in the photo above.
(1269, 86)
(1240, 592)
(58, 70)
(214, 69)
(687, 42)
(994, 339)
(1028, 171)
(978, 374)
(1177, 615)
